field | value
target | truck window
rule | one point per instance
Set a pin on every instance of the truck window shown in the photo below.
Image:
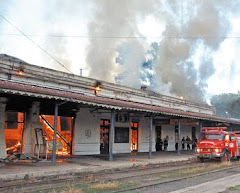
(205, 136)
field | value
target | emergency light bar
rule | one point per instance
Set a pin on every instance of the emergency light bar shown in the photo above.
(213, 128)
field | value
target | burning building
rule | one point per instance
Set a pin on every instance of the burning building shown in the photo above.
(93, 117)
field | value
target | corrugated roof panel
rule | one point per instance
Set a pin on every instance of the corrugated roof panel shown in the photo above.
(58, 98)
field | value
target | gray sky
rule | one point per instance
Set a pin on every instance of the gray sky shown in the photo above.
(198, 40)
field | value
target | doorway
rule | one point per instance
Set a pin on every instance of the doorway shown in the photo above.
(159, 142)
(13, 132)
(134, 136)
(64, 133)
(193, 132)
(176, 138)
(104, 136)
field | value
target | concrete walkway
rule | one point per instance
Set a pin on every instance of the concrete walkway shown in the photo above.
(79, 164)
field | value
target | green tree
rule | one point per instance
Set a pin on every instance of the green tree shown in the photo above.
(227, 105)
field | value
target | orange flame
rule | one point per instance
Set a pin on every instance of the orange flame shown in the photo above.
(20, 72)
(14, 147)
(97, 89)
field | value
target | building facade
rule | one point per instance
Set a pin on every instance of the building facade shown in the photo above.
(93, 117)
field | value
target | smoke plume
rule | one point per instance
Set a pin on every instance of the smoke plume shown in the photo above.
(184, 60)
(180, 63)
(116, 23)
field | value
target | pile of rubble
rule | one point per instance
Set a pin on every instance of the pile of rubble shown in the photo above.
(18, 158)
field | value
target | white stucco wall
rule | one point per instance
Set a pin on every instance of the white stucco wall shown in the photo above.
(169, 130)
(86, 133)
(143, 136)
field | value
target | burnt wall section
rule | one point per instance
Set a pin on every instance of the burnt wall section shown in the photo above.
(32, 122)
(87, 133)
(3, 153)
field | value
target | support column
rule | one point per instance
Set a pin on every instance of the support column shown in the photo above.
(111, 133)
(179, 134)
(3, 153)
(32, 122)
(200, 126)
(150, 136)
(55, 135)
(57, 105)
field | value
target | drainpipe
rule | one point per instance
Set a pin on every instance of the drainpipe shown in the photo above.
(55, 132)
(150, 136)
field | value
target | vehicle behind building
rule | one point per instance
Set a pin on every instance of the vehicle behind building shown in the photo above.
(216, 143)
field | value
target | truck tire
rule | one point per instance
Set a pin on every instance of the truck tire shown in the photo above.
(225, 157)
(201, 159)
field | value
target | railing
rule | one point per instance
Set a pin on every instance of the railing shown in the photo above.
(58, 134)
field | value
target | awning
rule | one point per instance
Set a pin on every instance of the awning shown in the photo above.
(16, 88)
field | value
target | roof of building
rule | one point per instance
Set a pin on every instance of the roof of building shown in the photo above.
(41, 92)
(11, 58)
(18, 86)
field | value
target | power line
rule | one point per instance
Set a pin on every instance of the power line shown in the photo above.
(26, 36)
(124, 37)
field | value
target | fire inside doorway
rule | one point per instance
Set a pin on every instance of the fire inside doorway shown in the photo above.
(104, 136)
(13, 132)
(64, 133)
(134, 136)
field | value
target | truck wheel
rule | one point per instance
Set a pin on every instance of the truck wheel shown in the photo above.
(225, 157)
(201, 159)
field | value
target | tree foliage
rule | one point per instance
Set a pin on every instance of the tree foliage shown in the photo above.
(227, 105)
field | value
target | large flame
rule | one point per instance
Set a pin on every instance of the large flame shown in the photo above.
(62, 147)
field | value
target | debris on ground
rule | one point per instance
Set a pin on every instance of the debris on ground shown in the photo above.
(18, 158)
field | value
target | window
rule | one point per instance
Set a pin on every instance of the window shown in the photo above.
(12, 120)
(121, 135)
(212, 136)
(65, 124)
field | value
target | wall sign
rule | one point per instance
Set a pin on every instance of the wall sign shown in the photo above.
(88, 133)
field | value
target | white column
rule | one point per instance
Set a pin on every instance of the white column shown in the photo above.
(150, 136)
(32, 122)
(3, 153)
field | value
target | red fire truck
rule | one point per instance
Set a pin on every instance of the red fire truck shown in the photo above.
(216, 143)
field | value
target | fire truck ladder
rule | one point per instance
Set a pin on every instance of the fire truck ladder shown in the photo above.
(58, 134)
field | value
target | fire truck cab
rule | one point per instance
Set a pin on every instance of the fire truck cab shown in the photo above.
(216, 143)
